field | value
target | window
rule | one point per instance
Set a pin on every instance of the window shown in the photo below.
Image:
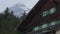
(44, 26)
(46, 12)
(49, 11)
(39, 27)
(52, 10)
(36, 29)
(58, 21)
(53, 23)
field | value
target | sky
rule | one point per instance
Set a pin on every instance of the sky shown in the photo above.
(9, 3)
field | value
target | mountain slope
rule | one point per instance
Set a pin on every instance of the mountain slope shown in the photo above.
(18, 9)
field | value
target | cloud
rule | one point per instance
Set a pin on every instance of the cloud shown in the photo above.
(9, 3)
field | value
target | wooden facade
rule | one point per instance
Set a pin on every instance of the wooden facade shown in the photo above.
(35, 18)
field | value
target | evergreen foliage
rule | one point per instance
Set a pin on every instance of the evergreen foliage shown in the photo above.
(8, 22)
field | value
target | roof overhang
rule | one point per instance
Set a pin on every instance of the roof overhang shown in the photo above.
(35, 9)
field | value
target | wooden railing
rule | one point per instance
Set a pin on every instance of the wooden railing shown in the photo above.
(51, 28)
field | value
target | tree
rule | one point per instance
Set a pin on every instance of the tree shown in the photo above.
(23, 15)
(8, 22)
(11, 12)
(6, 12)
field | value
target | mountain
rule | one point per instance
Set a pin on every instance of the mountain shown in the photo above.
(18, 9)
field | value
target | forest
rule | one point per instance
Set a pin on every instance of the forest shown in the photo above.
(8, 22)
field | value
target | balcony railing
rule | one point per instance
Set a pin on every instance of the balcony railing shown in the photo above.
(45, 30)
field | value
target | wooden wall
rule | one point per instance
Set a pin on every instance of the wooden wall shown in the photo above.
(37, 19)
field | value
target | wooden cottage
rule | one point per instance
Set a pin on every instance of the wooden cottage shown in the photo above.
(44, 18)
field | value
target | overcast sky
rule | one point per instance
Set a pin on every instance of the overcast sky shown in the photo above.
(9, 3)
